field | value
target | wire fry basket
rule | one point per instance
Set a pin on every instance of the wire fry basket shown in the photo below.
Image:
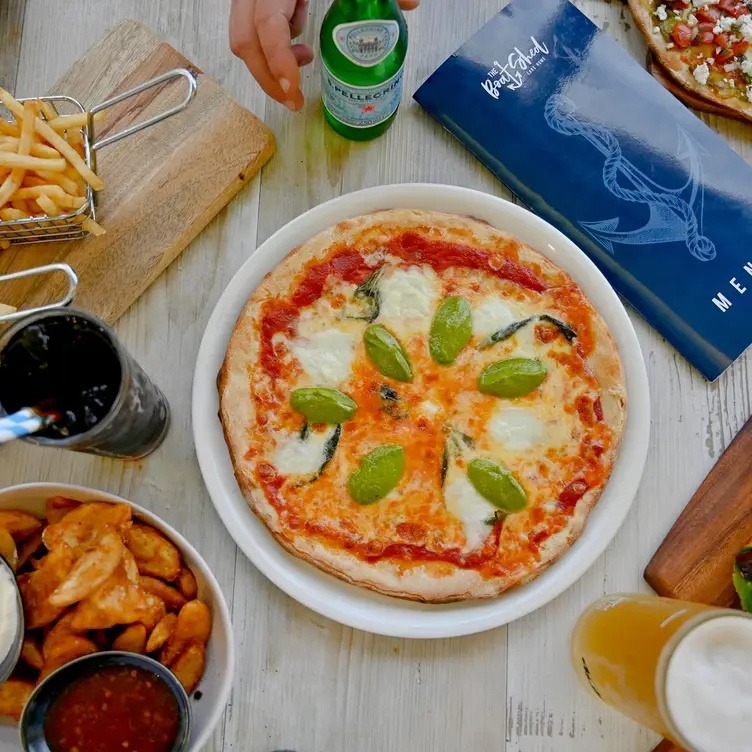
(47, 229)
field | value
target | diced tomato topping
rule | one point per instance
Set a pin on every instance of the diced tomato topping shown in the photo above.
(739, 11)
(711, 15)
(726, 55)
(739, 48)
(679, 5)
(727, 6)
(706, 37)
(722, 41)
(683, 34)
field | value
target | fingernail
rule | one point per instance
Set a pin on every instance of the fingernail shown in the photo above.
(290, 105)
(285, 84)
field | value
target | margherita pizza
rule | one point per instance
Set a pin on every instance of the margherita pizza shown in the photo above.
(704, 45)
(420, 404)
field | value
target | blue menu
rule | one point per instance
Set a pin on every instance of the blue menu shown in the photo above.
(579, 131)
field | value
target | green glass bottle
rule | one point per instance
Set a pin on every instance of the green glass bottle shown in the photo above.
(363, 48)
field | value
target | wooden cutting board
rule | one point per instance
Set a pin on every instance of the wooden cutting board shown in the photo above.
(696, 559)
(162, 185)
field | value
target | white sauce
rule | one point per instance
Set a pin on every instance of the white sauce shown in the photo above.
(471, 509)
(296, 457)
(491, 315)
(326, 357)
(515, 428)
(709, 685)
(408, 300)
(8, 612)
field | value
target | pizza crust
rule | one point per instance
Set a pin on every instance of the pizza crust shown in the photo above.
(670, 60)
(427, 582)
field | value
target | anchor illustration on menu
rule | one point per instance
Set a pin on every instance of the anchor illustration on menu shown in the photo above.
(675, 213)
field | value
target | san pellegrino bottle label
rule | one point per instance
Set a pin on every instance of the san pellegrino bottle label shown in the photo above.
(366, 43)
(361, 106)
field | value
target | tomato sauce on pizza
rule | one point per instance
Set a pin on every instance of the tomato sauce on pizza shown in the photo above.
(422, 405)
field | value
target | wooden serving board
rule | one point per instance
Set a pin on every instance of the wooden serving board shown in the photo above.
(162, 185)
(696, 560)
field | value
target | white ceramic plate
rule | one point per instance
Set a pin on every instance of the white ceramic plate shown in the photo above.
(362, 608)
(220, 656)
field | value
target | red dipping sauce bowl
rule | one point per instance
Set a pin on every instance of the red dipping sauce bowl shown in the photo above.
(108, 701)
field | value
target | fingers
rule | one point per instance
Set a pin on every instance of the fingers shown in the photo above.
(246, 43)
(409, 4)
(273, 28)
(299, 18)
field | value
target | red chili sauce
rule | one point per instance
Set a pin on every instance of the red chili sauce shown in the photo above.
(116, 708)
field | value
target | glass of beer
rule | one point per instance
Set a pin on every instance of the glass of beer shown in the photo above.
(682, 669)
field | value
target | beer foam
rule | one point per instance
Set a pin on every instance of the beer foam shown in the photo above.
(709, 685)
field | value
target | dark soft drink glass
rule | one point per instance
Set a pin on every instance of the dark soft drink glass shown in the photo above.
(70, 362)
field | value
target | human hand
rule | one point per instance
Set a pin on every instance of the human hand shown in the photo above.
(261, 34)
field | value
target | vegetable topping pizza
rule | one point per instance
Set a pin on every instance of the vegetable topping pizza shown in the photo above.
(704, 44)
(420, 404)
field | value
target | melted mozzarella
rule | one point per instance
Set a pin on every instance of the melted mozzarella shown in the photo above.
(492, 315)
(326, 357)
(515, 428)
(471, 509)
(408, 299)
(297, 457)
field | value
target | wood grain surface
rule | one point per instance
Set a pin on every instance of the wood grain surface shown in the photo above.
(305, 683)
(162, 185)
(696, 559)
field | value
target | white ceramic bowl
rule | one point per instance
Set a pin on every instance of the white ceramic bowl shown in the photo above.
(358, 607)
(220, 657)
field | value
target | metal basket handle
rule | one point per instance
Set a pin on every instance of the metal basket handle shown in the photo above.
(36, 271)
(177, 73)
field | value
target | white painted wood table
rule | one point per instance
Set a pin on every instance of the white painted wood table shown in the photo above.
(305, 683)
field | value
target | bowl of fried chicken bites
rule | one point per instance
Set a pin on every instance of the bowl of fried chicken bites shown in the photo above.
(97, 573)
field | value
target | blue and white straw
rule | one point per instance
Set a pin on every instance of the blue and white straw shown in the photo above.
(26, 421)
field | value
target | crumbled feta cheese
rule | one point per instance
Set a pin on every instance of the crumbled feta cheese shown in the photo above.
(730, 67)
(692, 19)
(732, 84)
(670, 45)
(656, 30)
(701, 73)
(747, 66)
(745, 28)
(726, 22)
(677, 12)
(749, 92)
(660, 11)
(717, 29)
(711, 60)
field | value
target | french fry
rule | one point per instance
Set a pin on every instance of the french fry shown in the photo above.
(57, 507)
(132, 639)
(189, 666)
(12, 183)
(4, 245)
(21, 525)
(187, 584)
(68, 122)
(56, 140)
(8, 549)
(93, 228)
(55, 192)
(161, 633)
(31, 653)
(192, 627)
(8, 128)
(8, 159)
(47, 109)
(48, 206)
(11, 214)
(60, 178)
(13, 696)
(20, 205)
(173, 599)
